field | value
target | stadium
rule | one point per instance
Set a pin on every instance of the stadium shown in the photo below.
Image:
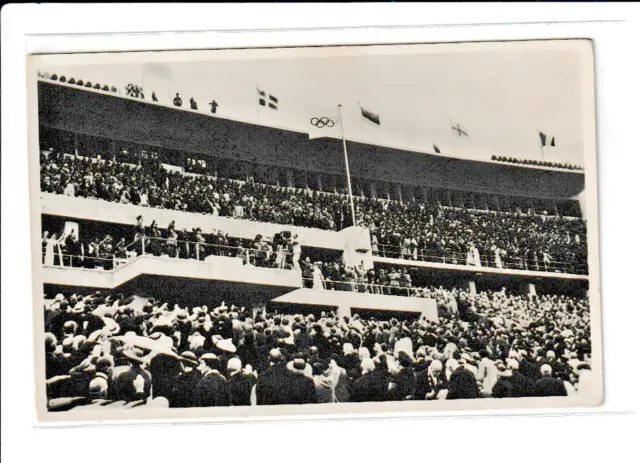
(192, 260)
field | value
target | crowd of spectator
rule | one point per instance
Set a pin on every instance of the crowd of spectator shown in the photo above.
(134, 91)
(417, 231)
(131, 90)
(337, 276)
(102, 349)
(79, 82)
(409, 229)
(533, 162)
(281, 251)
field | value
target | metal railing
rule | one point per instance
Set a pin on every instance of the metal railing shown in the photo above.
(176, 249)
(85, 262)
(359, 287)
(485, 260)
(196, 250)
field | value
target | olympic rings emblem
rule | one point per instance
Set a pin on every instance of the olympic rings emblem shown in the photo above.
(321, 122)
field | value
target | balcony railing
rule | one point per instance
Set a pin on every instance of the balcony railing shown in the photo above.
(175, 249)
(359, 287)
(485, 260)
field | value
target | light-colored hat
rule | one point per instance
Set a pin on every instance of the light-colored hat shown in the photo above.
(234, 364)
(226, 345)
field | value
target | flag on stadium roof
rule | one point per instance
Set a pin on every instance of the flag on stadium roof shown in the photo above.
(267, 100)
(370, 116)
(456, 128)
(323, 123)
(543, 139)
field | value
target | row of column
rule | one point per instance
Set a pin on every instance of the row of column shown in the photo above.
(375, 190)
(528, 288)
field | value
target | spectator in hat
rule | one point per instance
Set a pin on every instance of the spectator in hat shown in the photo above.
(130, 381)
(185, 384)
(462, 385)
(372, 386)
(279, 386)
(211, 390)
(239, 383)
(177, 101)
(547, 385)
(404, 380)
(214, 106)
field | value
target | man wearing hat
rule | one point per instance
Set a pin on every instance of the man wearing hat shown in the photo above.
(139, 234)
(547, 385)
(211, 390)
(130, 381)
(373, 386)
(186, 382)
(404, 379)
(239, 383)
(277, 385)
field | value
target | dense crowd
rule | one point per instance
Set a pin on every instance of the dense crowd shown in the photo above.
(407, 229)
(111, 348)
(79, 82)
(534, 162)
(338, 276)
(282, 251)
(412, 230)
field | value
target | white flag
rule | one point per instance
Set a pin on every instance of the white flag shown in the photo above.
(322, 123)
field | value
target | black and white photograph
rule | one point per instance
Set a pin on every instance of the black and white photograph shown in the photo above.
(315, 230)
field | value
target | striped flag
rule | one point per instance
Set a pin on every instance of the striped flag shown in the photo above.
(370, 116)
(267, 100)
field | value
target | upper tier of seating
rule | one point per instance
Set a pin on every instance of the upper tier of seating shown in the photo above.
(398, 227)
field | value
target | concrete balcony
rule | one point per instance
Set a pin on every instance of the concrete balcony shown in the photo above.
(216, 278)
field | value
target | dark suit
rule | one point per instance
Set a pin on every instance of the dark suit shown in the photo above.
(211, 391)
(548, 386)
(184, 393)
(522, 386)
(279, 386)
(462, 385)
(239, 388)
(405, 382)
(371, 387)
(122, 386)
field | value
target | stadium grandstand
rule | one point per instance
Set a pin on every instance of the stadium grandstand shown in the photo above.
(187, 257)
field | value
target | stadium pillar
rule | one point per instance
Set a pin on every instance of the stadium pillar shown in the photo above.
(289, 178)
(399, 191)
(343, 311)
(372, 190)
(449, 202)
(530, 289)
(471, 286)
(555, 208)
(112, 150)
(75, 144)
(319, 181)
(425, 194)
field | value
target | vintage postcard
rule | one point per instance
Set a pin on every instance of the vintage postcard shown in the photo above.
(254, 233)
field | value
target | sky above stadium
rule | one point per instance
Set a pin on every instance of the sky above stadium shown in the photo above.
(501, 96)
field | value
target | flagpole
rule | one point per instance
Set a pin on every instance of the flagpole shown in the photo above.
(346, 163)
(258, 104)
(453, 138)
(541, 145)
